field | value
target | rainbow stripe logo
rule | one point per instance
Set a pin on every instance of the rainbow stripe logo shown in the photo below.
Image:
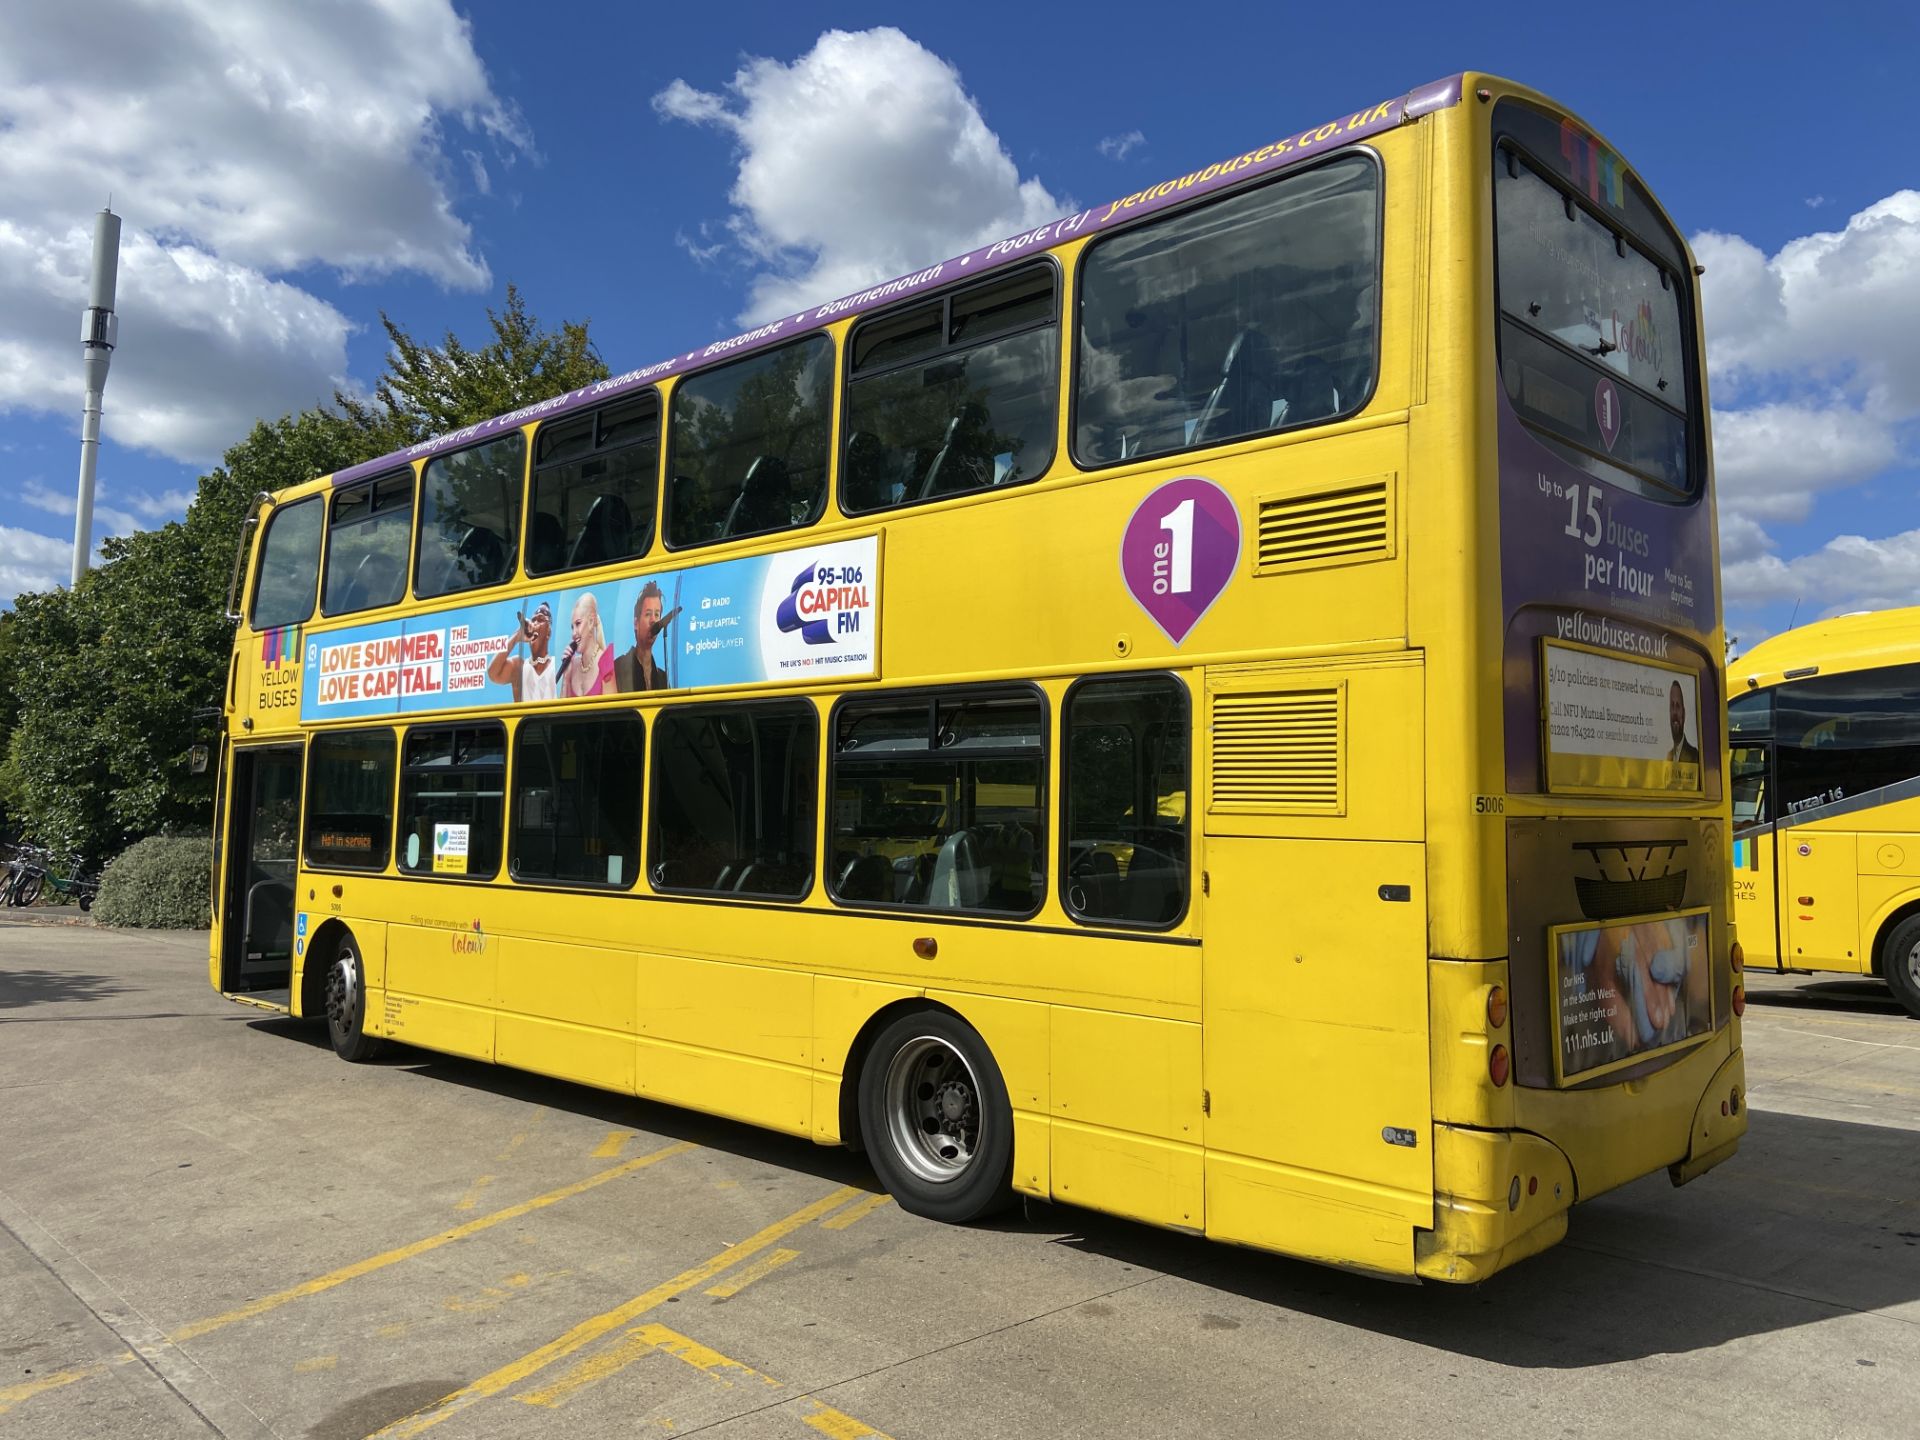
(280, 647)
(1603, 173)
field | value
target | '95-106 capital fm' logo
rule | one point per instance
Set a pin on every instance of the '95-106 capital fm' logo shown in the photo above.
(826, 601)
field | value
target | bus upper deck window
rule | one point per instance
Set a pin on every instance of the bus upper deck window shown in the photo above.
(594, 480)
(470, 517)
(747, 450)
(289, 565)
(952, 396)
(367, 538)
(1255, 313)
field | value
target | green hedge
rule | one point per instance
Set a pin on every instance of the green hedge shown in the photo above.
(158, 884)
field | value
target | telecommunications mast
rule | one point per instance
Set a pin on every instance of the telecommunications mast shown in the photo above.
(99, 327)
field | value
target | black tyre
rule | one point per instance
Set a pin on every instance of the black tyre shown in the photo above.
(344, 993)
(935, 1118)
(1900, 963)
(28, 890)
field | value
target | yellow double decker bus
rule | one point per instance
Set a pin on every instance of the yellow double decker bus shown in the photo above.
(1206, 710)
(1825, 724)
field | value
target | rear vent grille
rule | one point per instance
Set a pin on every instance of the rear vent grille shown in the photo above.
(1326, 527)
(1280, 753)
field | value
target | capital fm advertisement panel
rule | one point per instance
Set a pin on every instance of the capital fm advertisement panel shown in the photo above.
(806, 614)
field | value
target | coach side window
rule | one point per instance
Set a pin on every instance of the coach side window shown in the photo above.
(350, 799)
(938, 802)
(747, 451)
(952, 396)
(470, 517)
(735, 791)
(289, 566)
(576, 800)
(1255, 313)
(452, 792)
(1841, 736)
(367, 537)
(594, 478)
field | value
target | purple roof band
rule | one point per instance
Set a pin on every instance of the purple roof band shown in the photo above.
(1290, 150)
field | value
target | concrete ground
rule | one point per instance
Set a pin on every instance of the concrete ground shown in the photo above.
(208, 1223)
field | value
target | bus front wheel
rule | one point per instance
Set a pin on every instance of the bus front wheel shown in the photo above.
(935, 1118)
(1900, 964)
(345, 997)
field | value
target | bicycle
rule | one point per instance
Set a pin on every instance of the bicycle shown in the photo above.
(26, 876)
(76, 885)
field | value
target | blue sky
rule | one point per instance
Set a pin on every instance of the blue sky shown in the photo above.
(286, 171)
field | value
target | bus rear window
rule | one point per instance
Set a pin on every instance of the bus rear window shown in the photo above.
(1593, 343)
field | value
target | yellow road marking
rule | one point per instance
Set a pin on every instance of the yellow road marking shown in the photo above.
(419, 1247)
(610, 1147)
(856, 1213)
(12, 1395)
(318, 1362)
(838, 1425)
(645, 1339)
(471, 1199)
(734, 1284)
(587, 1331)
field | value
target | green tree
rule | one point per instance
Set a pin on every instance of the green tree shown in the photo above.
(115, 679)
(429, 390)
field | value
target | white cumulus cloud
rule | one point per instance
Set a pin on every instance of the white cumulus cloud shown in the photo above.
(863, 159)
(1815, 359)
(1849, 572)
(243, 145)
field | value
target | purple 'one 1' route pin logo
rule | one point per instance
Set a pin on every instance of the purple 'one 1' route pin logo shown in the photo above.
(1179, 552)
(1606, 411)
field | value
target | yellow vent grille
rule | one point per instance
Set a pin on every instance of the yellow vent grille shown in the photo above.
(1280, 753)
(1326, 527)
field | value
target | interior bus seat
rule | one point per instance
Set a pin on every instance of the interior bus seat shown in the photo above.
(965, 458)
(867, 877)
(1250, 384)
(864, 482)
(546, 543)
(607, 533)
(765, 500)
(479, 559)
(1312, 391)
(959, 880)
(1097, 875)
(912, 878)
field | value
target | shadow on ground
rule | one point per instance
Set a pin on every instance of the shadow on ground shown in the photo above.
(1813, 1220)
(22, 988)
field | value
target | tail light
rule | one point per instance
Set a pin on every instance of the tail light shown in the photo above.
(1499, 1065)
(1497, 1007)
(1738, 956)
(1739, 999)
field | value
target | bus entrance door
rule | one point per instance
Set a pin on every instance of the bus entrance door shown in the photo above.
(263, 842)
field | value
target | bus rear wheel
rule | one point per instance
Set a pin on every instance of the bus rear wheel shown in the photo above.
(1900, 964)
(935, 1118)
(344, 994)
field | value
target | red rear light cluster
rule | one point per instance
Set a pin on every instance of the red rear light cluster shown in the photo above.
(1497, 1007)
(1738, 956)
(1499, 1065)
(1739, 999)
